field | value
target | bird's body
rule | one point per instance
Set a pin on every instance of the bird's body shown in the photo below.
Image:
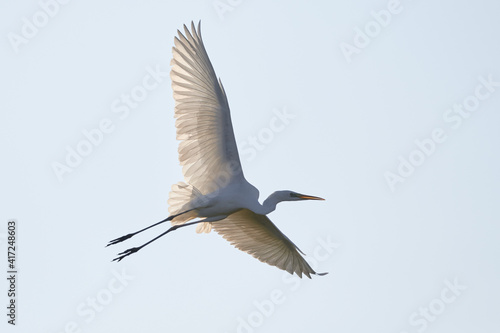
(229, 199)
(215, 190)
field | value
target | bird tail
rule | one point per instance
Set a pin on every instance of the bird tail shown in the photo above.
(182, 204)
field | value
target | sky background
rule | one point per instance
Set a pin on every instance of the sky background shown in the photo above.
(410, 236)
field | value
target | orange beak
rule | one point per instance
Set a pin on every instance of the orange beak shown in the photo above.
(309, 197)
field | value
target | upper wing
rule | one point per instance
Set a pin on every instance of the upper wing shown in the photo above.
(258, 236)
(207, 151)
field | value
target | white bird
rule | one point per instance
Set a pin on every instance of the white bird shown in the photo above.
(216, 190)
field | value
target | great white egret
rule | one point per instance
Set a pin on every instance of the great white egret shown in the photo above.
(216, 190)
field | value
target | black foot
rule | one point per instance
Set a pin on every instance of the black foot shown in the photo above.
(126, 253)
(120, 239)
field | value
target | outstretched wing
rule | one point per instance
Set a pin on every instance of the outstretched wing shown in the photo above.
(207, 151)
(258, 236)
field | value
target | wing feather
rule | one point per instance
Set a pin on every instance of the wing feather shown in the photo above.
(258, 236)
(207, 151)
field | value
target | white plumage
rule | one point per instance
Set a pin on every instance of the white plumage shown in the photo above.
(207, 151)
(215, 189)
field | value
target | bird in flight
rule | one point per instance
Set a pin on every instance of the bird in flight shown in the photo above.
(215, 191)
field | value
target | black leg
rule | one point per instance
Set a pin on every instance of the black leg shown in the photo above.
(122, 238)
(135, 249)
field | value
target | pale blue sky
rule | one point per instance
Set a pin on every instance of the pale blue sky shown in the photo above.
(417, 253)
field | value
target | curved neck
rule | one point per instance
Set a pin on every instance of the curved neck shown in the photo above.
(268, 205)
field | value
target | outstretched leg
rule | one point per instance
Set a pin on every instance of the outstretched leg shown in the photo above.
(122, 238)
(175, 227)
